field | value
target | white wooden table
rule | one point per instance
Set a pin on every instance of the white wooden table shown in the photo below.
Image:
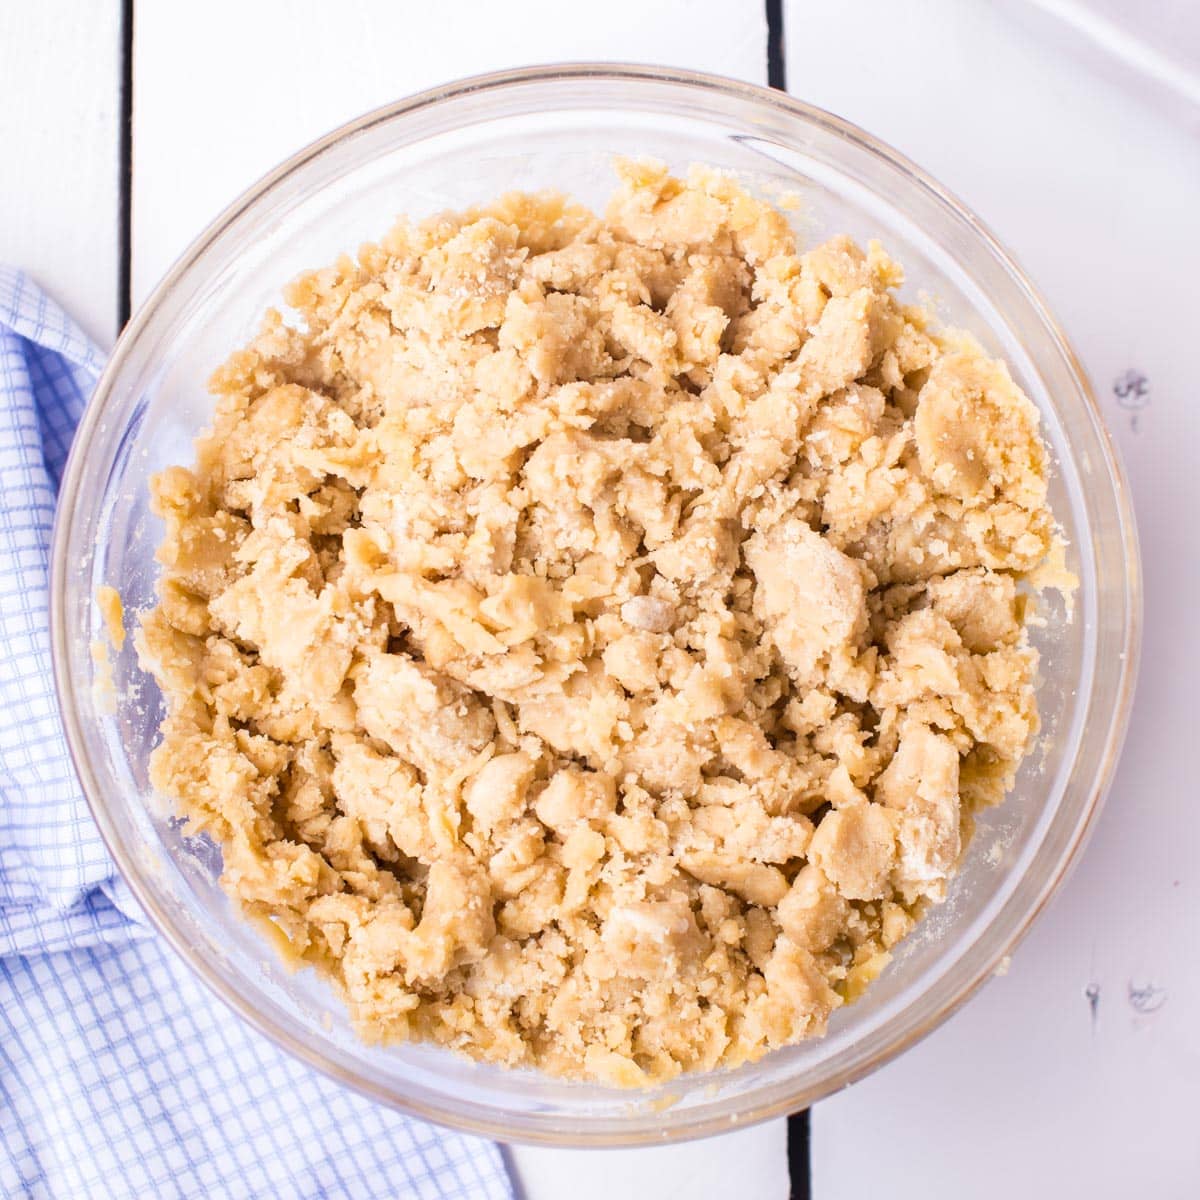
(1079, 1071)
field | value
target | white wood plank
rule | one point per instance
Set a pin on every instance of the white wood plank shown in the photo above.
(1096, 192)
(293, 70)
(59, 109)
(750, 1163)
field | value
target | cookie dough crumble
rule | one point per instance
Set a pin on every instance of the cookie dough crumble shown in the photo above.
(588, 637)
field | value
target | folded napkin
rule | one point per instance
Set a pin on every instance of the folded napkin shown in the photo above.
(119, 1074)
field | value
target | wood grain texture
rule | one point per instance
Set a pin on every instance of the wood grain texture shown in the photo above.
(291, 70)
(59, 102)
(1095, 189)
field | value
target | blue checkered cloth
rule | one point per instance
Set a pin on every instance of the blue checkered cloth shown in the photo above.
(119, 1074)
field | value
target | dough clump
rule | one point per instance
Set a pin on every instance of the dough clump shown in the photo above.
(587, 638)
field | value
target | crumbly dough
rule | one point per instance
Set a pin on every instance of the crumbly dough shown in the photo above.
(589, 637)
(112, 611)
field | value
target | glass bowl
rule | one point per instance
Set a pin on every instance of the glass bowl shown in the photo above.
(560, 127)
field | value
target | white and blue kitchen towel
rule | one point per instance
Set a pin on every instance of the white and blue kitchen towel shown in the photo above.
(120, 1075)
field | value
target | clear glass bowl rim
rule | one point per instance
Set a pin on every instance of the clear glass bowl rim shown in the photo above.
(983, 964)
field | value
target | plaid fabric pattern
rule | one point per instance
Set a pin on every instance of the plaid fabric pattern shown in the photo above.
(120, 1076)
